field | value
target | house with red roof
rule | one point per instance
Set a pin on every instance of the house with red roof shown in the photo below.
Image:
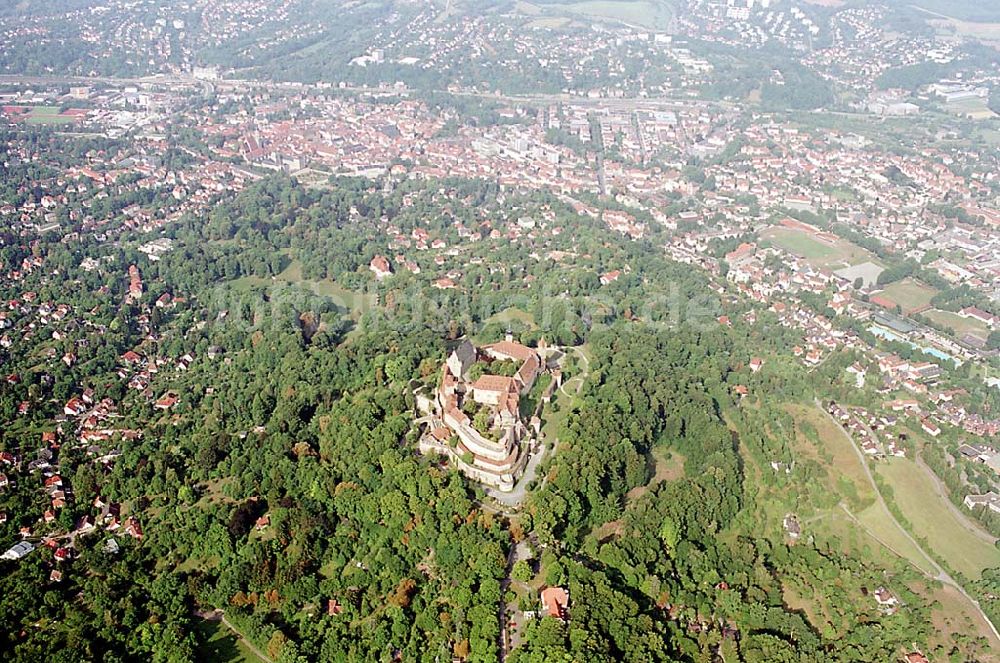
(555, 600)
(380, 267)
(131, 357)
(979, 314)
(134, 282)
(610, 277)
(133, 528)
(166, 402)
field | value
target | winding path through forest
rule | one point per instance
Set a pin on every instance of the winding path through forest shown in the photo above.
(579, 379)
(219, 615)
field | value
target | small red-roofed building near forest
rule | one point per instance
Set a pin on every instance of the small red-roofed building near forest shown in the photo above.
(556, 602)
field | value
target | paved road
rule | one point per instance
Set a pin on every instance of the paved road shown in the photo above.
(168, 80)
(517, 496)
(502, 608)
(942, 575)
(963, 518)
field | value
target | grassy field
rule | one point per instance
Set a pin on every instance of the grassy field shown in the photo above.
(814, 611)
(968, 10)
(932, 519)
(549, 22)
(910, 295)
(667, 466)
(214, 493)
(957, 323)
(815, 252)
(527, 8)
(845, 473)
(38, 114)
(655, 14)
(954, 618)
(973, 108)
(869, 532)
(988, 33)
(222, 645)
(872, 535)
(846, 477)
(883, 528)
(510, 314)
(356, 302)
(990, 137)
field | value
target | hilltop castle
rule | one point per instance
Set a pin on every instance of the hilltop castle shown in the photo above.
(475, 417)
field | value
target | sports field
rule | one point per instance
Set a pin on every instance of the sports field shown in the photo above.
(818, 253)
(957, 323)
(653, 14)
(41, 114)
(910, 295)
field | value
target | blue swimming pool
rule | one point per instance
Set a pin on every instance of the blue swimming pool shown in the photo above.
(890, 335)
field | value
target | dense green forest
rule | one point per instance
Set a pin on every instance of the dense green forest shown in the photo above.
(313, 430)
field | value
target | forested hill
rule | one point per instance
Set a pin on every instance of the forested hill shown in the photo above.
(674, 573)
(270, 458)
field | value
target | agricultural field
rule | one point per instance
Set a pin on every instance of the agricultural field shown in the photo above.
(549, 22)
(990, 137)
(817, 253)
(964, 10)
(957, 324)
(979, 20)
(912, 296)
(860, 522)
(964, 546)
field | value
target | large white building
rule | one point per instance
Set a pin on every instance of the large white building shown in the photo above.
(18, 550)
